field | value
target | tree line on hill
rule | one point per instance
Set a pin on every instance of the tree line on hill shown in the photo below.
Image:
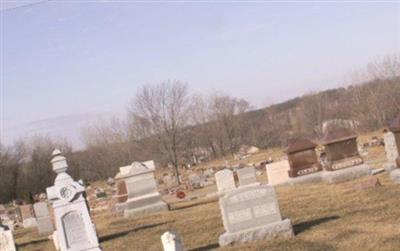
(167, 123)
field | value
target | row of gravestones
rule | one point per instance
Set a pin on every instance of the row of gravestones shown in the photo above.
(249, 212)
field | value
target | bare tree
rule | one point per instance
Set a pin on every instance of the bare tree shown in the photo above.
(226, 113)
(163, 110)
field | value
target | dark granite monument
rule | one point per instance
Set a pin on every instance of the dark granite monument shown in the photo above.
(302, 157)
(341, 149)
(343, 161)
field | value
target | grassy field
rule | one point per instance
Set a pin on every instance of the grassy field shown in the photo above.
(324, 217)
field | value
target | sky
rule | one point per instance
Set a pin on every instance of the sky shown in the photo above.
(67, 64)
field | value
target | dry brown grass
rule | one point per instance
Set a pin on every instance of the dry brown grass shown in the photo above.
(324, 217)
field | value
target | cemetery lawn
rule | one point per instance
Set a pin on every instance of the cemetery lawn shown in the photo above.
(324, 217)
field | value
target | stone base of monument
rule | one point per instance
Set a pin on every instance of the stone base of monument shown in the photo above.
(346, 174)
(395, 175)
(145, 205)
(273, 230)
(309, 178)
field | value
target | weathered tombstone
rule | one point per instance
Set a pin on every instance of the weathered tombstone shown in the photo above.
(171, 241)
(6, 239)
(343, 161)
(43, 218)
(391, 150)
(143, 196)
(225, 181)
(395, 129)
(303, 161)
(252, 213)
(247, 176)
(28, 217)
(195, 180)
(278, 172)
(75, 230)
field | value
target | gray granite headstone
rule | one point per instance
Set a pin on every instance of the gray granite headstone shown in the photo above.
(390, 149)
(247, 176)
(143, 196)
(250, 213)
(43, 218)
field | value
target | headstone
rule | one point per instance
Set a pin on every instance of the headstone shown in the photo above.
(247, 176)
(150, 164)
(391, 150)
(43, 218)
(171, 241)
(278, 172)
(252, 213)
(28, 217)
(395, 129)
(143, 196)
(195, 180)
(225, 181)
(303, 159)
(75, 230)
(6, 239)
(343, 161)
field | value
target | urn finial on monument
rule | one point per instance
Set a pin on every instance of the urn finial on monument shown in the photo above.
(59, 162)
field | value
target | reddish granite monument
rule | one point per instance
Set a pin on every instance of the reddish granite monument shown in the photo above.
(341, 149)
(302, 157)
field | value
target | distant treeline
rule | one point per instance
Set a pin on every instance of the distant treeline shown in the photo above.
(168, 124)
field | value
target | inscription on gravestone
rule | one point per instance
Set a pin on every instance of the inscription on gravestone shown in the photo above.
(250, 208)
(75, 231)
(250, 213)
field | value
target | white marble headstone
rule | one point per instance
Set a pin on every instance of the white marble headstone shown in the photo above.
(75, 230)
(225, 181)
(6, 240)
(171, 241)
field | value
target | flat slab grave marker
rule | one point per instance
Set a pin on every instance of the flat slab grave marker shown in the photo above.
(252, 213)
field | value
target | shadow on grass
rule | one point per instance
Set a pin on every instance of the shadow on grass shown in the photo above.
(32, 242)
(205, 248)
(125, 232)
(304, 226)
(175, 208)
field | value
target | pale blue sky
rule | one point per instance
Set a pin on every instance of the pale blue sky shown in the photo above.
(66, 63)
